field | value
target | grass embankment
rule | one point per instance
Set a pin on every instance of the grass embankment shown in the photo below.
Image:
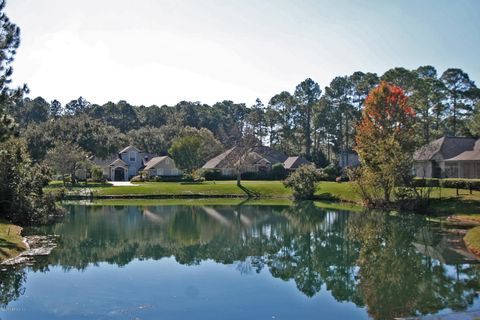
(444, 201)
(11, 241)
(257, 189)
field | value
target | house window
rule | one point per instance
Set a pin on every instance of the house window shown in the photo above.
(160, 171)
(132, 156)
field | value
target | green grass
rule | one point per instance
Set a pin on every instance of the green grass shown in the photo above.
(444, 201)
(11, 241)
(263, 189)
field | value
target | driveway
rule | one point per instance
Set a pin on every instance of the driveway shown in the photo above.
(122, 184)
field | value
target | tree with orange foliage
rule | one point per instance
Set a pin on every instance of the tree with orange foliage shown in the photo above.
(385, 144)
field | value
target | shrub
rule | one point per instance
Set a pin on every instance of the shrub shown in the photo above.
(192, 177)
(97, 174)
(331, 172)
(210, 174)
(138, 178)
(278, 172)
(460, 183)
(302, 182)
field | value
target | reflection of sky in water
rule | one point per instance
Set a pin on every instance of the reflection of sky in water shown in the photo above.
(164, 289)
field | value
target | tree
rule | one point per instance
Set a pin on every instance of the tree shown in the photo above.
(256, 120)
(303, 182)
(307, 94)
(459, 98)
(474, 123)
(282, 109)
(55, 110)
(384, 143)
(194, 147)
(150, 139)
(22, 199)
(66, 158)
(78, 106)
(9, 42)
(21, 183)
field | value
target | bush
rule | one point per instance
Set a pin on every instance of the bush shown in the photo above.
(192, 177)
(330, 172)
(97, 174)
(278, 172)
(211, 174)
(473, 184)
(303, 181)
(138, 178)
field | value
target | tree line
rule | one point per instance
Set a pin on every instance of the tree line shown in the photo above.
(307, 121)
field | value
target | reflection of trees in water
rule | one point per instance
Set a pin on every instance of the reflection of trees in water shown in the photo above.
(394, 280)
(12, 281)
(365, 258)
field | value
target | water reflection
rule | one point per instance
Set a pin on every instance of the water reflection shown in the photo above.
(392, 266)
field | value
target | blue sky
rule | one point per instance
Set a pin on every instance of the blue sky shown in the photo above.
(163, 51)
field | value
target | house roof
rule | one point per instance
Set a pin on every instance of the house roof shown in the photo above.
(214, 163)
(473, 155)
(449, 147)
(295, 162)
(154, 162)
(229, 158)
(118, 162)
(126, 149)
(104, 161)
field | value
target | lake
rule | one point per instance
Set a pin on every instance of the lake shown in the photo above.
(241, 262)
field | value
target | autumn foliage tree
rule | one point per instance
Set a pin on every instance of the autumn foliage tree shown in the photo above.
(385, 144)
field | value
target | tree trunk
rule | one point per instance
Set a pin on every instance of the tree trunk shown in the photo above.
(239, 177)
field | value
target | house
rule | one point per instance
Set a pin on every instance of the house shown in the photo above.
(293, 163)
(258, 159)
(466, 164)
(348, 159)
(448, 157)
(161, 167)
(130, 161)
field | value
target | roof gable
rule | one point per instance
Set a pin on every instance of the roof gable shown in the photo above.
(129, 148)
(447, 147)
(154, 162)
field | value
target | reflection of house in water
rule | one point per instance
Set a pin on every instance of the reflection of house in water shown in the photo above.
(444, 246)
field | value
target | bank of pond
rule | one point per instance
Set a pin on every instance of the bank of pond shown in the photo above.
(235, 259)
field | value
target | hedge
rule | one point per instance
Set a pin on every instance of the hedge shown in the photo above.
(471, 184)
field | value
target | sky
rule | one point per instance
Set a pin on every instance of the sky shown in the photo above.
(165, 51)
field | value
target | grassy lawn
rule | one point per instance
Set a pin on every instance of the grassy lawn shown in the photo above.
(444, 201)
(268, 189)
(11, 242)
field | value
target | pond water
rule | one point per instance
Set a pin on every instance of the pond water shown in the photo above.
(241, 262)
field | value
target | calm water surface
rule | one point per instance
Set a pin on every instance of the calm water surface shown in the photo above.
(241, 262)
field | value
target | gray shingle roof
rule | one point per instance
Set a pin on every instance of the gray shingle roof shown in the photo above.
(126, 149)
(229, 158)
(295, 162)
(153, 162)
(449, 147)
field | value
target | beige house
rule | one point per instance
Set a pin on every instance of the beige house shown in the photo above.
(161, 167)
(130, 161)
(466, 164)
(448, 157)
(258, 159)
